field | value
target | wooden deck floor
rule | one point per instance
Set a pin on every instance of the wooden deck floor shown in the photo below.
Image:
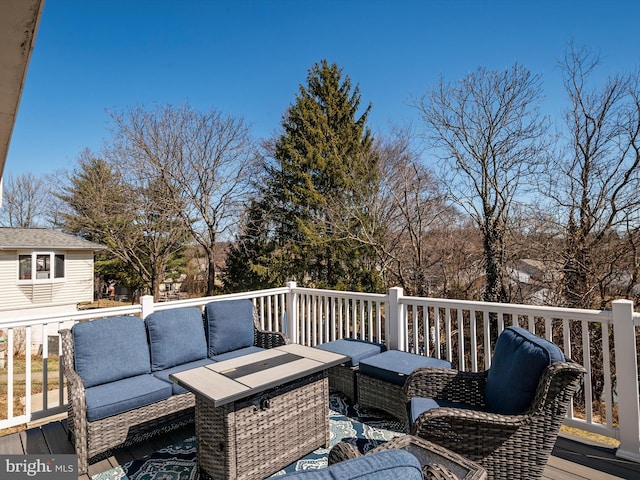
(572, 458)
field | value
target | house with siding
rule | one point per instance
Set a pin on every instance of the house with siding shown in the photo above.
(43, 272)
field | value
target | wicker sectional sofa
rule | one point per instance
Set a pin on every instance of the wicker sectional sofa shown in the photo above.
(118, 368)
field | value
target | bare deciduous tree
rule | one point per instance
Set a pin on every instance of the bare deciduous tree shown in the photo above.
(411, 202)
(203, 161)
(598, 197)
(398, 218)
(25, 201)
(490, 138)
(123, 206)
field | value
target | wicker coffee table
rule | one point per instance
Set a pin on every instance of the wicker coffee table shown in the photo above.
(258, 413)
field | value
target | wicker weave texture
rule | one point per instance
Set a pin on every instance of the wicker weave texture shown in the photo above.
(381, 395)
(508, 446)
(93, 438)
(343, 379)
(436, 471)
(442, 461)
(437, 462)
(245, 442)
(265, 338)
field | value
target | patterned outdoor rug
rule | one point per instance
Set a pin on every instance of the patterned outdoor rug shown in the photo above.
(347, 423)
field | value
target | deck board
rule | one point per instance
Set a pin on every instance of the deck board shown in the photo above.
(560, 469)
(99, 467)
(35, 441)
(581, 454)
(572, 458)
(11, 445)
(55, 435)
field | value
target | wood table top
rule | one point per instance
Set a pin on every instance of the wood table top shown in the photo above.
(230, 380)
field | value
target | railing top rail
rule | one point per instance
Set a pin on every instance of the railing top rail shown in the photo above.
(134, 309)
(380, 297)
(198, 302)
(74, 316)
(512, 308)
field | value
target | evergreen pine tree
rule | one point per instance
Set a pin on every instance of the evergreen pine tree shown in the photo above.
(322, 176)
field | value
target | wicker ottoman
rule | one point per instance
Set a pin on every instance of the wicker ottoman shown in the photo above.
(343, 377)
(381, 378)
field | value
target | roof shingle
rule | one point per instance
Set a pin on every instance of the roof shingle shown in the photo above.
(42, 238)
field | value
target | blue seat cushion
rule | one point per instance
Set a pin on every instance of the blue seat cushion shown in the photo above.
(353, 348)
(519, 359)
(236, 353)
(123, 395)
(385, 465)
(164, 374)
(228, 325)
(419, 405)
(394, 366)
(110, 349)
(176, 337)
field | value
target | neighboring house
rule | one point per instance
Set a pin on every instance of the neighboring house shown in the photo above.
(529, 271)
(533, 278)
(43, 272)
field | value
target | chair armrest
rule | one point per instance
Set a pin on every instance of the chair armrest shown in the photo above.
(77, 404)
(446, 384)
(460, 429)
(343, 451)
(266, 339)
(557, 386)
(435, 471)
(76, 394)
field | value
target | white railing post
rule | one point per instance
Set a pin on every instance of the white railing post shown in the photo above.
(624, 334)
(146, 302)
(292, 312)
(395, 329)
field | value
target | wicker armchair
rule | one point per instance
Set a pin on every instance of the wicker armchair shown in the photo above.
(508, 445)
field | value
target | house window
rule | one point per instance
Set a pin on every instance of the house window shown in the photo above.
(24, 262)
(41, 266)
(58, 266)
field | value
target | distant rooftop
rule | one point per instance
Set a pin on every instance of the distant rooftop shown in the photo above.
(42, 238)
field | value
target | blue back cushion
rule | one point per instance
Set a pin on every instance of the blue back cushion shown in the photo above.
(176, 336)
(518, 361)
(110, 349)
(228, 325)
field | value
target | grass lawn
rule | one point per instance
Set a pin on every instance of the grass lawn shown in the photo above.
(19, 385)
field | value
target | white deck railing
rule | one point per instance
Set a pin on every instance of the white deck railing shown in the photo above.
(462, 332)
(33, 396)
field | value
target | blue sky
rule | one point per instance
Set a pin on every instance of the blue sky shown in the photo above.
(246, 58)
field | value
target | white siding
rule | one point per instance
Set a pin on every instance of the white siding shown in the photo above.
(77, 285)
